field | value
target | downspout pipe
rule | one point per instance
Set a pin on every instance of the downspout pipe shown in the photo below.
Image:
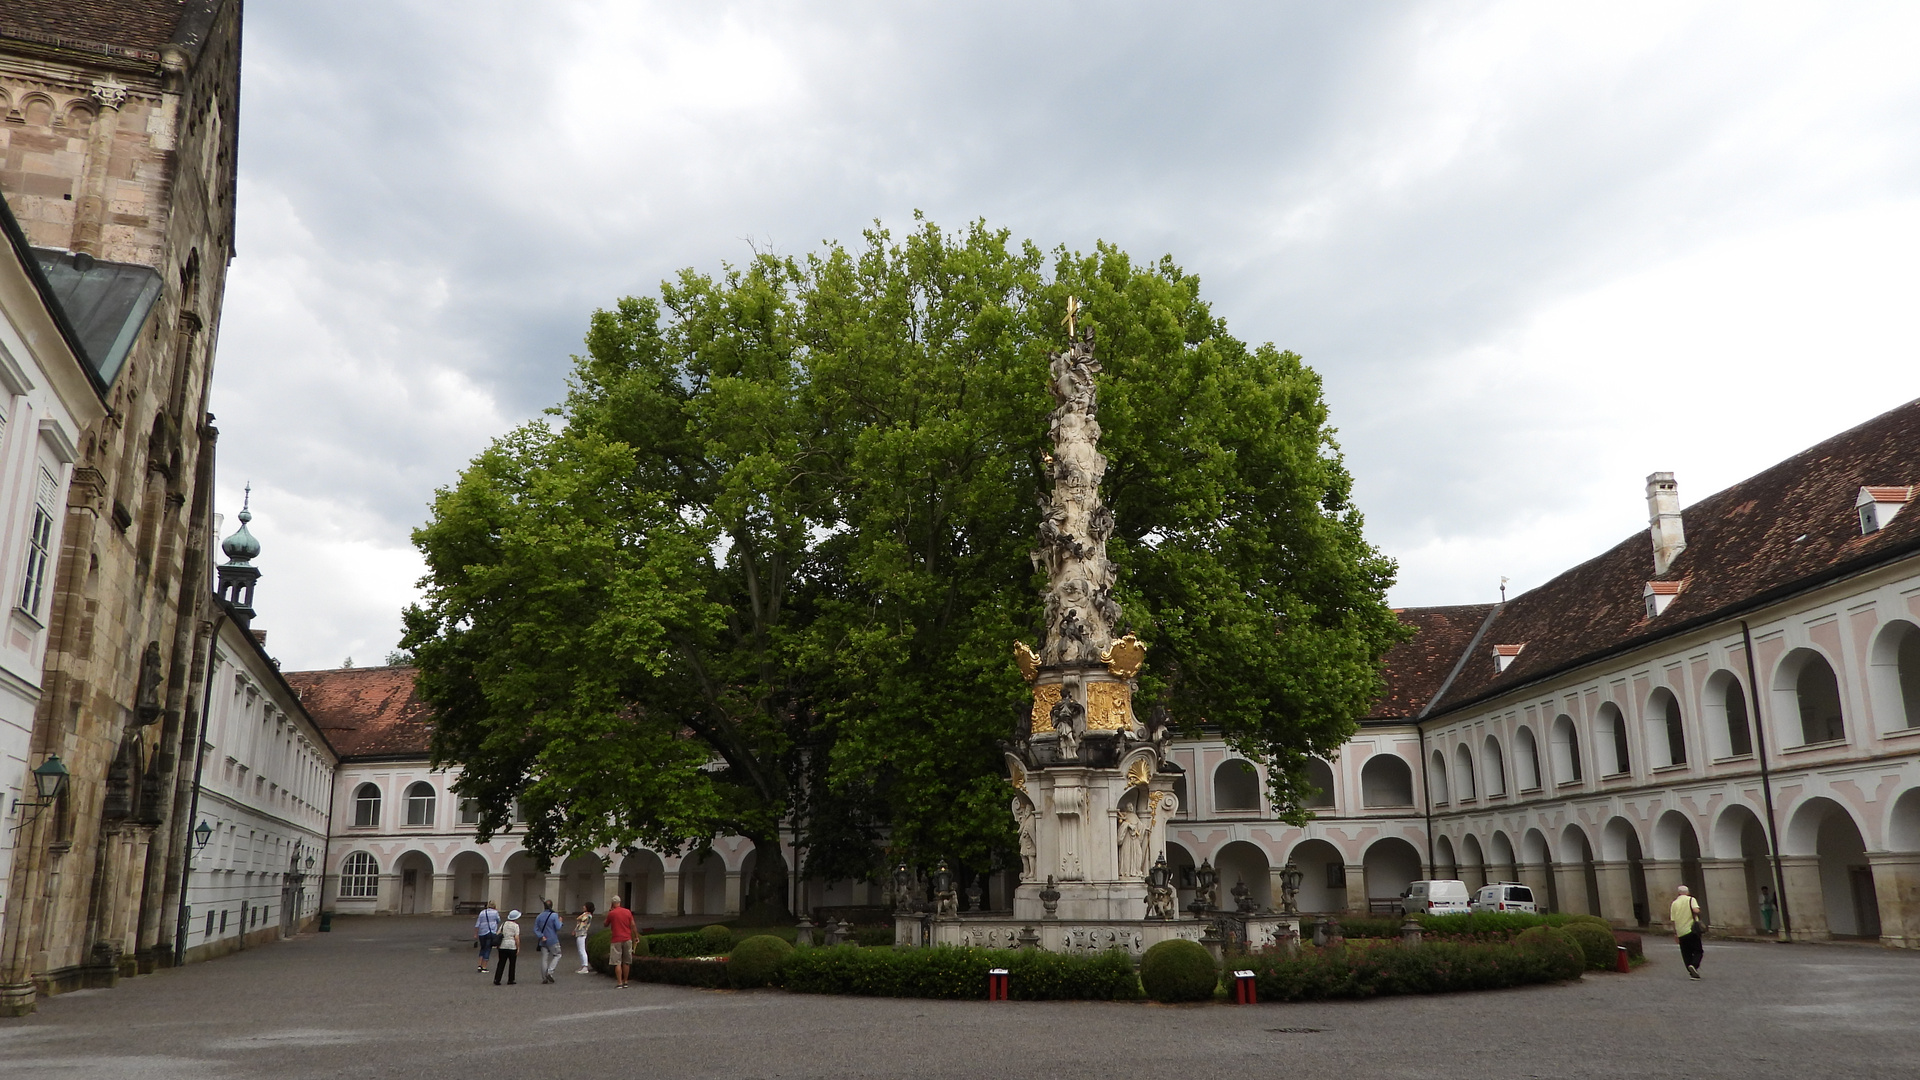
(1426, 782)
(1766, 785)
(193, 809)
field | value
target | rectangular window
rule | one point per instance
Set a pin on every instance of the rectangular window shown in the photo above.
(223, 921)
(209, 932)
(469, 811)
(39, 544)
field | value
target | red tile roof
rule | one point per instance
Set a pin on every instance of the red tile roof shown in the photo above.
(1782, 530)
(136, 28)
(1417, 668)
(369, 712)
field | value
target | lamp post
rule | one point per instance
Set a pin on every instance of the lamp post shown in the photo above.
(1290, 879)
(1204, 879)
(49, 781)
(202, 833)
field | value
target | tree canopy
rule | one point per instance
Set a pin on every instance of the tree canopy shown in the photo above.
(767, 561)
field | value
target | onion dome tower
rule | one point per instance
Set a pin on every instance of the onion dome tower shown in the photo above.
(238, 575)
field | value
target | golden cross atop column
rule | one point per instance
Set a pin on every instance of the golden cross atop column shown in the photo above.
(1073, 309)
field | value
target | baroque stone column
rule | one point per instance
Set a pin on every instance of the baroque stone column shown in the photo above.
(670, 893)
(1356, 888)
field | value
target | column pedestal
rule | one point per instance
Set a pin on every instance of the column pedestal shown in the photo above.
(497, 892)
(670, 893)
(1726, 905)
(1896, 886)
(1538, 877)
(610, 888)
(1663, 883)
(1356, 888)
(1571, 880)
(1616, 893)
(442, 894)
(733, 892)
(1806, 899)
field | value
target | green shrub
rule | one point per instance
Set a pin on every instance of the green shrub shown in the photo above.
(1391, 968)
(711, 974)
(1489, 925)
(1631, 942)
(959, 973)
(719, 938)
(873, 937)
(756, 961)
(1179, 970)
(1368, 927)
(787, 934)
(598, 944)
(1566, 959)
(1596, 943)
(682, 945)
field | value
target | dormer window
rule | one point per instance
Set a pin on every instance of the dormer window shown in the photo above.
(1659, 594)
(1877, 505)
(1503, 655)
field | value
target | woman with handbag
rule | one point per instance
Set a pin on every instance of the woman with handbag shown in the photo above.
(486, 933)
(582, 927)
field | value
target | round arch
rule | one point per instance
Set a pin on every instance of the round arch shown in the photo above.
(1566, 751)
(1806, 699)
(1620, 847)
(1674, 838)
(1437, 787)
(1236, 786)
(1386, 781)
(1826, 830)
(1473, 862)
(1903, 822)
(1737, 833)
(1445, 864)
(1495, 771)
(1320, 775)
(1526, 760)
(703, 883)
(523, 883)
(1464, 780)
(1611, 752)
(1576, 854)
(413, 878)
(1726, 721)
(1666, 728)
(1239, 861)
(1181, 864)
(1323, 876)
(471, 875)
(1501, 864)
(1391, 864)
(582, 879)
(1893, 676)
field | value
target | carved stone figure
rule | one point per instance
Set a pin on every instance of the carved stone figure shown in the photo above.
(1132, 837)
(147, 696)
(1074, 525)
(1160, 901)
(1024, 813)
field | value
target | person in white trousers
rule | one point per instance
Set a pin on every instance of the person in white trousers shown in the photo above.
(583, 926)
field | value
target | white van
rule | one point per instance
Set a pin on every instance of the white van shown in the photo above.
(1505, 896)
(1447, 897)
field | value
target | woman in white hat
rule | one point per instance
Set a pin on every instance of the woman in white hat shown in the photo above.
(509, 948)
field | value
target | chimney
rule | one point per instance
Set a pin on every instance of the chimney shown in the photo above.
(1663, 514)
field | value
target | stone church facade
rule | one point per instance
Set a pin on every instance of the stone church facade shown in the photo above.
(118, 121)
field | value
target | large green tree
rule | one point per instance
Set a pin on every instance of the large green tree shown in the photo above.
(767, 561)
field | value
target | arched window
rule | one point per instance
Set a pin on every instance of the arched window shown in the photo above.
(1733, 701)
(1320, 775)
(359, 877)
(1895, 676)
(1236, 786)
(366, 807)
(1463, 781)
(1566, 750)
(1386, 780)
(1527, 759)
(1664, 725)
(1807, 686)
(1182, 807)
(1437, 777)
(1496, 768)
(420, 800)
(1610, 732)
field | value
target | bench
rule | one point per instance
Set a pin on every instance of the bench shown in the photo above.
(468, 907)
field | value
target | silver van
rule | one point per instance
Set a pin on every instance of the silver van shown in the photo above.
(1508, 896)
(1443, 897)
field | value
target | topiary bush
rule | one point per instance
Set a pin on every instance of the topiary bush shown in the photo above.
(719, 938)
(1596, 943)
(756, 961)
(1178, 970)
(1565, 959)
(681, 945)
(711, 974)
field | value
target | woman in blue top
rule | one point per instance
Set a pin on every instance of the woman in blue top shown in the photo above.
(486, 931)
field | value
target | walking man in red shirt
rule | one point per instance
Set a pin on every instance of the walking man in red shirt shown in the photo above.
(620, 927)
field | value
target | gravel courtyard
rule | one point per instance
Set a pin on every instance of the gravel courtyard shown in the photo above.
(400, 997)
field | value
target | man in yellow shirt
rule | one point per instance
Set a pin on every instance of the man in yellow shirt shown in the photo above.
(1686, 929)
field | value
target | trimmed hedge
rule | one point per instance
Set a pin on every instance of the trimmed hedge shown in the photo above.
(684, 945)
(756, 961)
(1437, 968)
(959, 974)
(1177, 970)
(1475, 925)
(711, 974)
(1562, 952)
(1631, 942)
(600, 945)
(719, 938)
(1596, 943)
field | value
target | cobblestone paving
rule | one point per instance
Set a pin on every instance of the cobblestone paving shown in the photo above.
(400, 997)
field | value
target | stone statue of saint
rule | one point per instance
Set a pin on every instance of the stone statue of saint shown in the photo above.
(1028, 817)
(1133, 845)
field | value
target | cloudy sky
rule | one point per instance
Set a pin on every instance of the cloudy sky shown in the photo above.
(1536, 251)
